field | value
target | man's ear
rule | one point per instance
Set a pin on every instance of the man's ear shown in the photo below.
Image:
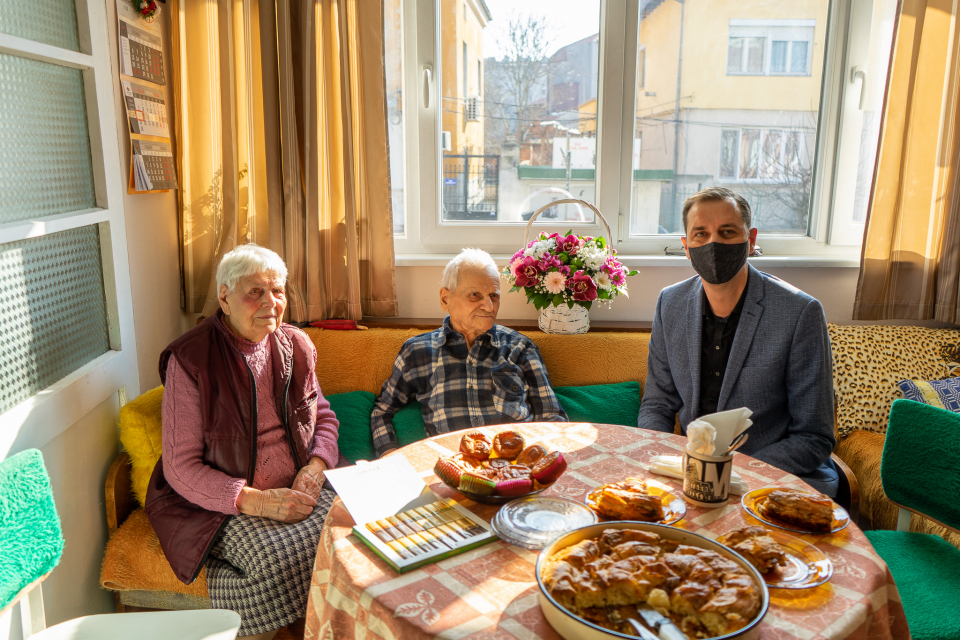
(222, 298)
(686, 250)
(444, 297)
(753, 240)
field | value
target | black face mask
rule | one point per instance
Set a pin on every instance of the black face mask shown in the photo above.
(717, 263)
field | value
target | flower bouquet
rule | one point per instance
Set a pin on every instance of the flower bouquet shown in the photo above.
(563, 275)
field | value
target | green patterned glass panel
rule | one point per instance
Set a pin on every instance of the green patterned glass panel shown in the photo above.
(53, 316)
(45, 162)
(47, 21)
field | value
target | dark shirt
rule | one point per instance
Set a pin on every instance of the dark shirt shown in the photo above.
(718, 335)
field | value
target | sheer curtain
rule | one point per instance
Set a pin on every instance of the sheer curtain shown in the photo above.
(283, 142)
(910, 268)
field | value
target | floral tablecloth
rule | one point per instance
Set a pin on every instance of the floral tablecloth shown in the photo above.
(491, 592)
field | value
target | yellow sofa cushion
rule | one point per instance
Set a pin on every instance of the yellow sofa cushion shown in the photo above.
(869, 361)
(363, 360)
(142, 436)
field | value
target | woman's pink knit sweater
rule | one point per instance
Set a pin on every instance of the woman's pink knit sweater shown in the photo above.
(201, 484)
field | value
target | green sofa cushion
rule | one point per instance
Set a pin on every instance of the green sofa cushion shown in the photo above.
(353, 410)
(605, 403)
(925, 569)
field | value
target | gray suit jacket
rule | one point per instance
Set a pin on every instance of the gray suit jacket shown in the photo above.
(780, 368)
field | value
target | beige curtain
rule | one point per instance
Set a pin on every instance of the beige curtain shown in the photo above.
(910, 263)
(281, 120)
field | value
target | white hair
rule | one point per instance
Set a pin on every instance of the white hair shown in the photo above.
(467, 259)
(247, 260)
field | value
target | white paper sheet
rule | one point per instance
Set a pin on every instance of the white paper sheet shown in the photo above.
(378, 489)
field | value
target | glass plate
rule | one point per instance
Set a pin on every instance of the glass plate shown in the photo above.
(532, 523)
(752, 500)
(494, 499)
(806, 566)
(673, 507)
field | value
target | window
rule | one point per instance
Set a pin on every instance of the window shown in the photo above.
(393, 68)
(65, 310)
(770, 47)
(755, 97)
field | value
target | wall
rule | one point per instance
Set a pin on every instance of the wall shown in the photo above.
(834, 287)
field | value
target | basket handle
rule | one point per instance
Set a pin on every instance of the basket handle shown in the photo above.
(536, 213)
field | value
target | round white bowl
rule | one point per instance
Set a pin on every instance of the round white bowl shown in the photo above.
(572, 627)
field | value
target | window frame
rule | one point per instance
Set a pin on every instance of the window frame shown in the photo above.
(829, 234)
(39, 419)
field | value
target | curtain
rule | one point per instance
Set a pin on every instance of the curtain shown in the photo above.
(280, 114)
(910, 268)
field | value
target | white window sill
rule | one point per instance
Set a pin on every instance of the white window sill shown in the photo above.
(763, 262)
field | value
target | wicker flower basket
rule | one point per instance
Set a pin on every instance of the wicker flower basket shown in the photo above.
(564, 319)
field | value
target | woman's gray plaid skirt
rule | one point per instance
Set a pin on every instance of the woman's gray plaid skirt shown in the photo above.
(261, 568)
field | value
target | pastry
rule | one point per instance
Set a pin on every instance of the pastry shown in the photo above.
(514, 471)
(495, 463)
(475, 445)
(508, 444)
(812, 511)
(628, 500)
(704, 593)
(756, 545)
(549, 467)
(531, 454)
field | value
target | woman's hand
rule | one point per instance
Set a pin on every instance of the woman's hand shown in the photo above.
(284, 505)
(310, 479)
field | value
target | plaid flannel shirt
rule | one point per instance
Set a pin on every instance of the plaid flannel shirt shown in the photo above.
(501, 379)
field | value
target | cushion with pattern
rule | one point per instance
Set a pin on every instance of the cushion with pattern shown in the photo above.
(943, 394)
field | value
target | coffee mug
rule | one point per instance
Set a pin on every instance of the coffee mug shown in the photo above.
(706, 479)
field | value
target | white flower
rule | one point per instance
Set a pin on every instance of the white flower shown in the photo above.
(593, 257)
(555, 282)
(528, 252)
(603, 280)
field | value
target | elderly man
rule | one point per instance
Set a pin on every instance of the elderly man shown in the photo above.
(735, 337)
(470, 372)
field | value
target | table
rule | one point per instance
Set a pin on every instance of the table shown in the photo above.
(491, 592)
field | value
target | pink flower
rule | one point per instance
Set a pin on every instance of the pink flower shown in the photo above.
(565, 270)
(527, 271)
(583, 287)
(548, 262)
(570, 244)
(555, 282)
(618, 277)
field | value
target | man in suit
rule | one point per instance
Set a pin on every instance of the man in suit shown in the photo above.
(734, 337)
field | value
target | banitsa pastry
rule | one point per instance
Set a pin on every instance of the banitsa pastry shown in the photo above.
(754, 544)
(705, 593)
(629, 500)
(812, 511)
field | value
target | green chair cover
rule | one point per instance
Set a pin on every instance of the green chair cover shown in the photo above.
(920, 469)
(31, 541)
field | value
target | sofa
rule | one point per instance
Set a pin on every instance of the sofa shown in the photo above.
(351, 367)
(868, 362)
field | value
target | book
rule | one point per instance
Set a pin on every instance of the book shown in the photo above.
(400, 519)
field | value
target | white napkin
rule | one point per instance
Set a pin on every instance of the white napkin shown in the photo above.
(728, 425)
(670, 466)
(700, 437)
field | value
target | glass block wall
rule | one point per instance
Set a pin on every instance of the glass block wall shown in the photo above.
(45, 162)
(51, 22)
(53, 316)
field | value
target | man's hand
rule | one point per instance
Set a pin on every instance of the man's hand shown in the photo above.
(284, 505)
(310, 479)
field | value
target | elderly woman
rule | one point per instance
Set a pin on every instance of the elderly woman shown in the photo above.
(470, 372)
(247, 436)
